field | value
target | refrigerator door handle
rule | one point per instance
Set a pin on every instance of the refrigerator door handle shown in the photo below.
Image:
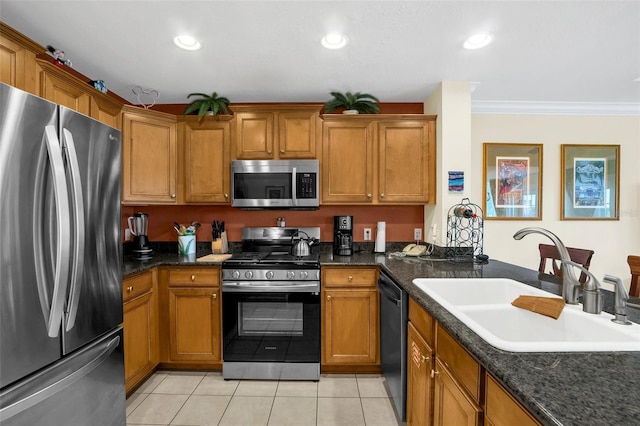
(77, 204)
(51, 389)
(63, 244)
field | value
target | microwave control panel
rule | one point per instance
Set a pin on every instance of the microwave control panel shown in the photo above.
(306, 185)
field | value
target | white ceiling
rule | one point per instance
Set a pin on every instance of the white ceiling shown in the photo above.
(399, 51)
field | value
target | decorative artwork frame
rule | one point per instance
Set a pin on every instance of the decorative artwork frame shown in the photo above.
(590, 182)
(512, 181)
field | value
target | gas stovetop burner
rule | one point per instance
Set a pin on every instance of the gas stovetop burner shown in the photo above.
(263, 259)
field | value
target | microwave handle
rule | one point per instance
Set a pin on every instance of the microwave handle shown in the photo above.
(294, 186)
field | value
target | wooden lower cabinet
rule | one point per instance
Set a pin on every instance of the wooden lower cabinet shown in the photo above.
(193, 321)
(419, 379)
(501, 409)
(140, 329)
(350, 320)
(452, 405)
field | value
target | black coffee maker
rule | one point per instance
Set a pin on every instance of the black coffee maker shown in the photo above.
(343, 235)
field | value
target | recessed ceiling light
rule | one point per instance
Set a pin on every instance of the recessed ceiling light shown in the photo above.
(478, 41)
(334, 41)
(187, 42)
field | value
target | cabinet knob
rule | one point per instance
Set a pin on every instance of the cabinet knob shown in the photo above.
(282, 151)
(215, 296)
(382, 195)
(269, 151)
(424, 358)
(130, 289)
(173, 195)
(193, 277)
(350, 278)
(226, 195)
(434, 373)
(328, 297)
(369, 196)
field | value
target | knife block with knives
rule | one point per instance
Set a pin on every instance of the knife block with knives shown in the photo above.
(219, 243)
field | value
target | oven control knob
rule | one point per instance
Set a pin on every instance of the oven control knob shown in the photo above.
(235, 274)
(304, 274)
(248, 275)
(269, 275)
(291, 275)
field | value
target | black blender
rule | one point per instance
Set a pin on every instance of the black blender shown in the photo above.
(138, 224)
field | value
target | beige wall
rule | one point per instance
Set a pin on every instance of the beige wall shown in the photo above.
(611, 240)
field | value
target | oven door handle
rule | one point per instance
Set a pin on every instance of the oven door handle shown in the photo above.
(275, 287)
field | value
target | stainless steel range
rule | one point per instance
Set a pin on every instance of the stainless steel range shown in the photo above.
(271, 305)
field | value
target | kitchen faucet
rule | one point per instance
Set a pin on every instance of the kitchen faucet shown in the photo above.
(592, 299)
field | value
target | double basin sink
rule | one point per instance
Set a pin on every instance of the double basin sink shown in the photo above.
(484, 305)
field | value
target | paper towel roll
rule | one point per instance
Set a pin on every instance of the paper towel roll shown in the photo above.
(380, 238)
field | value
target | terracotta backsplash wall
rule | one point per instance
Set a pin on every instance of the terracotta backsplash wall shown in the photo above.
(401, 220)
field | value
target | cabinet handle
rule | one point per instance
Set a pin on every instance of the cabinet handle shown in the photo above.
(215, 296)
(173, 195)
(382, 195)
(193, 277)
(424, 358)
(369, 196)
(434, 373)
(226, 195)
(328, 297)
(282, 151)
(350, 278)
(130, 289)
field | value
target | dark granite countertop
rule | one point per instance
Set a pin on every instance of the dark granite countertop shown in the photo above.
(575, 388)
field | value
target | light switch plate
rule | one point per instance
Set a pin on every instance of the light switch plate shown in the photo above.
(417, 234)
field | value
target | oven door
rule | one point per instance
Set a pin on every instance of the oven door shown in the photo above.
(271, 327)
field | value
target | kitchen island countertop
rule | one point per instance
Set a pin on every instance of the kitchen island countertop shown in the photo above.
(577, 388)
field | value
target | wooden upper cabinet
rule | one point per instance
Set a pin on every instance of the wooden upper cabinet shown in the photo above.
(64, 89)
(207, 159)
(149, 149)
(267, 132)
(106, 110)
(406, 153)
(347, 161)
(18, 66)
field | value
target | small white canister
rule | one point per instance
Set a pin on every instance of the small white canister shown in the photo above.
(187, 244)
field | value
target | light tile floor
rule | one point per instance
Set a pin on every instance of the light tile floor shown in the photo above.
(205, 398)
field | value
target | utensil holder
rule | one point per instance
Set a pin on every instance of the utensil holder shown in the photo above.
(186, 244)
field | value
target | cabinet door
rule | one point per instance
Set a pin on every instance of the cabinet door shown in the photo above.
(194, 324)
(140, 347)
(405, 172)
(18, 60)
(149, 158)
(347, 161)
(350, 327)
(419, 381)
(64, 90)
(501, 409)
(207, 161)
(452, 406)
(254, 135)
(297, 134)
(106, 111)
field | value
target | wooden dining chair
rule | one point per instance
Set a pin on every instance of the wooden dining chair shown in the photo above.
(550, 252)
(634, 265)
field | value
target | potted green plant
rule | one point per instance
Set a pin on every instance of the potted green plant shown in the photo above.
(207, 104)
(353, 103)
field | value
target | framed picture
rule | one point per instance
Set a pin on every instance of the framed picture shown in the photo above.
(590, 182)
(512, 176)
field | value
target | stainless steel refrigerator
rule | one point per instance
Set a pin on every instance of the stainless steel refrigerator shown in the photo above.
(61, 353)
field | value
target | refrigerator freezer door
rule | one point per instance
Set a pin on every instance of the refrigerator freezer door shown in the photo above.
(86, 388)
(26, 289)
(93, 154)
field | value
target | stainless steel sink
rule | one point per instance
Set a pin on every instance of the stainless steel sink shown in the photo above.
(484, 305)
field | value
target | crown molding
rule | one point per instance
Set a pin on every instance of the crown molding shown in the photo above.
(556, 108)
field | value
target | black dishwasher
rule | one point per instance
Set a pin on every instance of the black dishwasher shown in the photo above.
(393, 341)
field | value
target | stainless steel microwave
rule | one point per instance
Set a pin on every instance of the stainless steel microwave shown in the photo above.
(275, 184)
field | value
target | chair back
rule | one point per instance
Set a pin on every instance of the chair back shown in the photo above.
(634, 265)
(551, 253)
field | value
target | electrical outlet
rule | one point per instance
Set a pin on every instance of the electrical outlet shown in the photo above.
(417, 234)
(367, 234)
(434, 232)
(127, 234)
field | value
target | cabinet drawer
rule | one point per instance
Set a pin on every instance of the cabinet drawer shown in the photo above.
(502, 410)
(457, 359)
(422, 321)
(136, 286)
(194, 276)
(347, 277)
